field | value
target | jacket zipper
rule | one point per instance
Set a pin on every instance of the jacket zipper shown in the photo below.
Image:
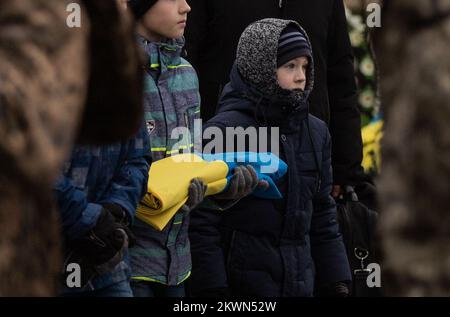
(165, 120)
(186, 121)
(230, 250)
(162, 102)
(157, 80)
(280, 3)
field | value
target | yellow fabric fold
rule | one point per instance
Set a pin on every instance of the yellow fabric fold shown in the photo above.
(168, 184)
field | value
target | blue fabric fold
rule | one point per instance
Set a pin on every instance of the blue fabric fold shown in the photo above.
(268, 166)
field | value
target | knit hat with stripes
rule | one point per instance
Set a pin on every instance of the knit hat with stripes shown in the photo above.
(292, 44)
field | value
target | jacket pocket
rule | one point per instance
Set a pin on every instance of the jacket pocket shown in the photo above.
(310, 180)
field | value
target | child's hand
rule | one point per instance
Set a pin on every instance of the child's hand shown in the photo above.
(196, 194)
(103, 242)
(337, 191)
(242, 183)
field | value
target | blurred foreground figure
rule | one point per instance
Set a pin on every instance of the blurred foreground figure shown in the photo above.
(412, 50)
(48, 73)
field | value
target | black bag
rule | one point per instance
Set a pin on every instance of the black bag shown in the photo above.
(357, 225)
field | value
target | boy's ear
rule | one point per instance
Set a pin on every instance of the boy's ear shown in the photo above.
(114, 109)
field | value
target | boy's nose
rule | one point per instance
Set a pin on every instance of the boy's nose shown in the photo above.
(185, 8)
(300, 77)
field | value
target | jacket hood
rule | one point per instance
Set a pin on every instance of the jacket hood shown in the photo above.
(257, 60)
(238, 95)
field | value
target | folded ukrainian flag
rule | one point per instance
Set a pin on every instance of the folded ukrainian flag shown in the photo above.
(170, 178)
(168, 183)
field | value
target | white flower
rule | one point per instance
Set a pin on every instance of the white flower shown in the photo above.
(356, 38)
(367, 98)
(367, 67)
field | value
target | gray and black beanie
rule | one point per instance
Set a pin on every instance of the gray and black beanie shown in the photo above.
(140, 7)
(292, 44)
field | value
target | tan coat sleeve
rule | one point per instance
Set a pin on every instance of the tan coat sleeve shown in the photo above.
(43, 82)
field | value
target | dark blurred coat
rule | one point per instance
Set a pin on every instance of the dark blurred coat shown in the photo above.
(48, 72)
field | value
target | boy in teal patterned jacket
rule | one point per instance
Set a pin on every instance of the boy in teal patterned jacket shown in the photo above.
(161, 260)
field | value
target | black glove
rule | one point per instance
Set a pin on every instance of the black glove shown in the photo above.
(242, 183)
(121, 217)
(103, 242)
(99, 251)
(119, 214)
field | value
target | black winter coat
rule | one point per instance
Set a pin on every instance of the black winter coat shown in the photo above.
(212, 34)
(272, 248)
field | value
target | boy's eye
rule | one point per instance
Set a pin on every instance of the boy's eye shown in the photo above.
(290, 66)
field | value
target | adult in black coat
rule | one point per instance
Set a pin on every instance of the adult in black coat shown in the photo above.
(212, 35)
(272, 247)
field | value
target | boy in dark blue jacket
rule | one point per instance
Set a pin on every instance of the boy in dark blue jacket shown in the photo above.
(272, 248)
(97, 195)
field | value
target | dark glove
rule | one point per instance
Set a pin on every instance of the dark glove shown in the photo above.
(103, 242)
(242, 183)
(121, 217)
(99, 251)
(119, 214)
(196, 194)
